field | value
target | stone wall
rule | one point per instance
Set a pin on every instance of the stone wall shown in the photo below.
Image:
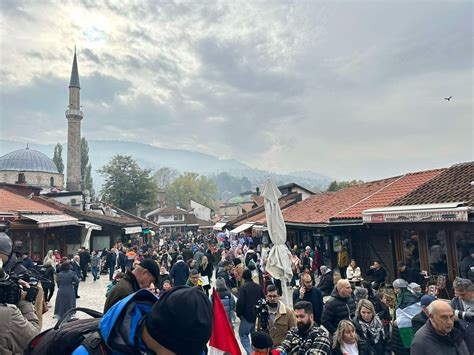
(36, 178)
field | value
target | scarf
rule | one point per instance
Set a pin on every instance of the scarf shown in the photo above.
(373, 329)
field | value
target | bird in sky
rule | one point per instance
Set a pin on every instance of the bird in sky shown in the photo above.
(448, 98)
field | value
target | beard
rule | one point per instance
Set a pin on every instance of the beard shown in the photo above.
(303, 327)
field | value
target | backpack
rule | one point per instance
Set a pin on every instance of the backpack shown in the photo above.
(64, 337)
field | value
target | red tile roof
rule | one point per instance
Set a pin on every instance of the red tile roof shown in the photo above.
(452, 185)
(12, 202)
(320, 208)
(386, 195)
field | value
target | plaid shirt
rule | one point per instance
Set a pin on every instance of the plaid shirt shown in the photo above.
(314, 341)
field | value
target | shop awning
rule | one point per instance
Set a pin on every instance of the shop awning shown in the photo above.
(133, 230)
(51, 220)
(242, 228)
(90, 225)
(437, 212)
(218, 226)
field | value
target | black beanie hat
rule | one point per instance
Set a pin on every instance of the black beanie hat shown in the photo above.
(261, 340)
(181, 320)
(236, 261)
(247, 274)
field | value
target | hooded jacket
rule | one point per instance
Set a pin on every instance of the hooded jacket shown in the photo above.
(336, 309)
(124, 287)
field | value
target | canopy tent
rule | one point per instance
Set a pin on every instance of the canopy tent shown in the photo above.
(279, 259)
(52, 220)
(219, 225)
(241, 228)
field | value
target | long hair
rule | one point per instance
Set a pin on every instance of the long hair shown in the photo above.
(339, 335)
(366, 304)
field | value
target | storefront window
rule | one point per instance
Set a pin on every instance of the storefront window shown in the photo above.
(411, 250)
(437, 252)
(464, 244)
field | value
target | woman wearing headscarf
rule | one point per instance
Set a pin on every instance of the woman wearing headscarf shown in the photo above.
(370, 328)
(66, 298)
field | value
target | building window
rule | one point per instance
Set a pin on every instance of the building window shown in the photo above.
(21, 178)
(437, 252)
(464, 247)
(411, 249)
(178, 217)
(51, 181)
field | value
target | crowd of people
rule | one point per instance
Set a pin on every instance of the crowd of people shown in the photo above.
(331, 312)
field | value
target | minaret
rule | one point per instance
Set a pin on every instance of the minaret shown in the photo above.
(74, 117)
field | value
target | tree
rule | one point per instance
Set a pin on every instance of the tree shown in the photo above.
(191, 186)
(164, 176)
(86, 168)
(58, 158)
(335, 185)
(126, 184)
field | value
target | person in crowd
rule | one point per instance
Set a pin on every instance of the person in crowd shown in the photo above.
(179, 272)
(224, 272)
(377, 273)
(346, 340)
(48, 272)
(438, 335)
(353, 271)
(420, 319)
(95, 265)
(307, 337)
(27, 262)
(194, 279)
(238, 271)
(360, 293)
(343, 261)
(206, 270)
(57, 257)
(50, 257)
(85, 259)
(463, 305)
(118, 276)
(76, 267)
(262, 343)
(249, 294)
(415, 288)
(187, 253)
(317, 257)
(111, 259)
(192, 265)
(281, 318)
(164, 275)
(66, 298)
(167, 285)
(370, 328)
(409, 275)
(404, 299)
(295, 267)
(326, 281)
(307, 292)
(180, 322)
(141, 277)
(340, 306)
(122, 259)
(19, 324)
(198, 255)
(467, 266)
(226, 297)
(306, 259)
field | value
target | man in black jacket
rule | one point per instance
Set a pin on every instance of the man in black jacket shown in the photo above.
(312, 294)
(340, 306)
(179, 272)
(85, 259)
(377, 273)
(409, 275)
(249, 294)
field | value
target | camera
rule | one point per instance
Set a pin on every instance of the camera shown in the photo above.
(261, 308)
(10, 287)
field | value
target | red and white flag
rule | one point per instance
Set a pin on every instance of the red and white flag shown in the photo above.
(223, 338)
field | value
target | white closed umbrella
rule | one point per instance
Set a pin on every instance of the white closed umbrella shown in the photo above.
(279, 259)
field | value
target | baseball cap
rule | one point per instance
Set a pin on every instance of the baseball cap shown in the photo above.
(426, 300)
(152, 267)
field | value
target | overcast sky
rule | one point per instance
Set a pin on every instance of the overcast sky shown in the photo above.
(348, 89)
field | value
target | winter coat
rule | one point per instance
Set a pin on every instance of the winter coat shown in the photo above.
(206, 272)
(124, 287)
(179, 273)
(428, 342)
(285, 320)
(187, 255)
(381, 347)
(228, 302)
(66, 297)
(411, 276)
(18, 326)
(466, 327)
(85, 258)
(466, 267)
(336, 309)
(378, 276)
(249, 294)
(111, 260)
(162, 278)
(122, 259)
(315, 297)
(326, 283)
(362, 345)
(75, 268)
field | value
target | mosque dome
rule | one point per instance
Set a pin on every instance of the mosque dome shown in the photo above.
(27, 160)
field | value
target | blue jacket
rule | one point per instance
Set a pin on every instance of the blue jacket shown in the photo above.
(120, 324)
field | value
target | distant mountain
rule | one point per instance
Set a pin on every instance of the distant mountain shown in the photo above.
(147, 156)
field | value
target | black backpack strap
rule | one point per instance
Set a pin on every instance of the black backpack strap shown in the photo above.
(93, 343)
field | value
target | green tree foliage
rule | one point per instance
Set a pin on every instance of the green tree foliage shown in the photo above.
(191, 186)
(126, 184)
(229, 185)
(86, 168)
(164, 176)
(58, 157)
(337, 185)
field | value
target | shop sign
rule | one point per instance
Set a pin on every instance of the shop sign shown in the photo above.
(407, 217)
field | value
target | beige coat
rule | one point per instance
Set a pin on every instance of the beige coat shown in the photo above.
(18, 326)
(284, 321)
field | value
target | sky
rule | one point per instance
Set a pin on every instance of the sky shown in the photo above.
(349, 89)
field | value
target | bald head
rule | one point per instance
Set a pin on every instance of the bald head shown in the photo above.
(343, 288)
(441, 316)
